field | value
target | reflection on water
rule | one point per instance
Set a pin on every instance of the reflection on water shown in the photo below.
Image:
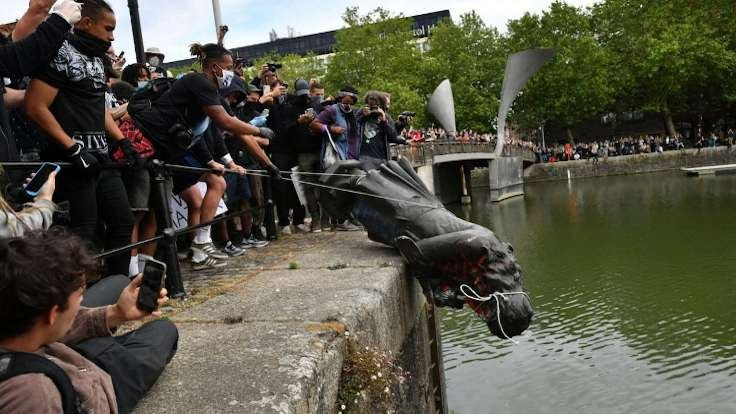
(634, 285)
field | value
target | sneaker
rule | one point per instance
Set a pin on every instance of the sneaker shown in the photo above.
(210, 250)
(315, 227)
(208, 263)
(232, 250)
(285, 230)
(302, 228)
(253, 243)
(347, 226)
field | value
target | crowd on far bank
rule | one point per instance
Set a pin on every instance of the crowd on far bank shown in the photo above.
(627, 145)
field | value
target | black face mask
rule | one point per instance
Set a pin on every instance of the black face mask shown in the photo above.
(88, 44)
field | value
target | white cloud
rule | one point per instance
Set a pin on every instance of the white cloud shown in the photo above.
(172, 25)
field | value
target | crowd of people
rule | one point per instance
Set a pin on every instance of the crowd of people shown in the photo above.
(645, 144)
(71, 99)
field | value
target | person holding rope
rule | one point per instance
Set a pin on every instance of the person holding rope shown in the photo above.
(67, 101)
(176, 123)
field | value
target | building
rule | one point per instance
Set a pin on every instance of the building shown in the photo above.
(319, 43)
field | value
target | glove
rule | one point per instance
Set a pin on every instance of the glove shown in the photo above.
(82, 160)
(131, 157)
(266, 133)
(273, 171)
(69, 10)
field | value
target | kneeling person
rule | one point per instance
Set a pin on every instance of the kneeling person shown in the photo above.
(43, 284)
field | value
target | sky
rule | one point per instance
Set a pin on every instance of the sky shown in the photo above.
(171, 25)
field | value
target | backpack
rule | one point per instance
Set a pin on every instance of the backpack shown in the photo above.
(13, 364)
(144, 98)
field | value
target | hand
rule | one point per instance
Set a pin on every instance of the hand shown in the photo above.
(264, 70)
(280, 90)
(366, 111)
(217, 168)
(236, 168)
(336, 130)
(69, 10)
(131, 157)
(381, 115)
(47, 189)
(126, 309)
(266, 133)
(273, 171)
(305, 118)
(82, 160)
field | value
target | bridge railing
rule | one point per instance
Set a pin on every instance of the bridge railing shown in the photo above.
(424, 153)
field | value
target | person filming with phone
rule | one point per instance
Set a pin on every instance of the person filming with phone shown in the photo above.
(56, 354)
(36, 215)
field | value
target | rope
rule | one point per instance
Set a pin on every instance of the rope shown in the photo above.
(398, 200)
(473, 295)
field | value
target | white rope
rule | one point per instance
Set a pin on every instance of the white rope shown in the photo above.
(313, 173)
(250, 172)
(473, 295)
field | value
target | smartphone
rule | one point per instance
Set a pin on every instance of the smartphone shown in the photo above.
(120, 56)
(38, 180)
(266, 89)
(153, 279)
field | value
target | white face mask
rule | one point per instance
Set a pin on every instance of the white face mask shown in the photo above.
(226, 79)
(142, 84)
(154, 61)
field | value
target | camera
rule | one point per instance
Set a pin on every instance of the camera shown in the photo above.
(272, 67)
(374, 111)
(408, 114)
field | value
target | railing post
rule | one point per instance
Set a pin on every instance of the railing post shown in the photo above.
(166, 251)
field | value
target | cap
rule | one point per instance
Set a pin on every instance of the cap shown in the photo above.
(301, 87)
(154, 51)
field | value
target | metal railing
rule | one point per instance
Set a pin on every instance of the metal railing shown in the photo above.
(424, 153)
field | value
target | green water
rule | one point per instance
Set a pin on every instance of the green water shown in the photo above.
(633, 281)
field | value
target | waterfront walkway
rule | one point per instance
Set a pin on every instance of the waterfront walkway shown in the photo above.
(267, 333)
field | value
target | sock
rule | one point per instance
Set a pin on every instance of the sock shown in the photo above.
(198, 255)
(202, 235)
(133, 268)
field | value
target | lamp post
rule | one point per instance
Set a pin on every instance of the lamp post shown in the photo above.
(135, 23)
(217, 11)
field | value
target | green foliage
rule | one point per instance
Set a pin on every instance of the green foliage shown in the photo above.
(472, 56)
(577, 84)
(376, 52)
(178, 70)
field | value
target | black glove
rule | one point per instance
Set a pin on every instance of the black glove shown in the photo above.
(266, 133)
(131, 157)
(82, 160)
(273, 171)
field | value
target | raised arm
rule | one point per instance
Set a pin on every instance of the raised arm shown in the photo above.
(38, 48)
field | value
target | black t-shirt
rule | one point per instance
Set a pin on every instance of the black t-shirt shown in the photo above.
(373, 138)
(183, 102)
(79, 106)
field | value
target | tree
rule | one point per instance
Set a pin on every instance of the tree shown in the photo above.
(472, 56)
(670, 54)
(376, 51)
(576, 85)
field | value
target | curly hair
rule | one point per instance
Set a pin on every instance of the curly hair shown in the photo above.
(37, 272)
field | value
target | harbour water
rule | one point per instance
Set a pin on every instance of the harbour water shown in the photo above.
(633, 280)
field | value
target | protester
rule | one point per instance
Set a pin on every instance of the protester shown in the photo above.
(70, 110)
(283, 120)
(176, 124)
(376, 130)
(108, 374)
(136, 74)
(36, 215)
(337, 125)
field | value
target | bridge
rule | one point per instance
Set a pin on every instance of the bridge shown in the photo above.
(445, 167)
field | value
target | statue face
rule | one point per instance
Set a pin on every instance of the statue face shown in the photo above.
(502, 273)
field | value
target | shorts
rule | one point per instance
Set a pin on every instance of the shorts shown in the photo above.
(238, 188)
(184, 180)
(138, 186)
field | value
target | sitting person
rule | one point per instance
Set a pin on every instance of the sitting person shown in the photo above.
(42, 289)
(36, 215)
